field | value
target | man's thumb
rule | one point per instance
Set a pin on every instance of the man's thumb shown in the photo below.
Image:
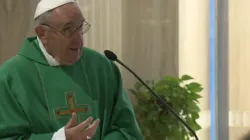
(72, 121)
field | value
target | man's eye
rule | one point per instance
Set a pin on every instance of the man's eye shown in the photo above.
(68, 30)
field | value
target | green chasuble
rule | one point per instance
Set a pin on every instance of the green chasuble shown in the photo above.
(37, 99)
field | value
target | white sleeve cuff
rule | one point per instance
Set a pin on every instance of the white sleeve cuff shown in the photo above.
(59, 135)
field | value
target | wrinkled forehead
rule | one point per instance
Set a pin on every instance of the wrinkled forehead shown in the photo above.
(68, 13)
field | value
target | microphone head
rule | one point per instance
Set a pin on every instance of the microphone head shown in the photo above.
(110, 55)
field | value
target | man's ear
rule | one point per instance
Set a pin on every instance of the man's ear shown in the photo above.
(41, 32)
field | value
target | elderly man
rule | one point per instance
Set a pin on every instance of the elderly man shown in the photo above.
(56, 89)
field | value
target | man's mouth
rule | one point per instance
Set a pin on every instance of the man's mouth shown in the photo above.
(74, 49)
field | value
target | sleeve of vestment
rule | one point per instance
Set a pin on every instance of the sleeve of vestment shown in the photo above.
(123, 121)
(14, 124)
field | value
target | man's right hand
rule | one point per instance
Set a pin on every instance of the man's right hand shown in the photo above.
(82, 131)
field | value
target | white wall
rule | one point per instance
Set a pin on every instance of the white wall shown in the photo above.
(194, 52)
(239, 68)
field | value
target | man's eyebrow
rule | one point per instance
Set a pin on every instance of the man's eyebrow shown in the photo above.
(68, 24)
(72, 24)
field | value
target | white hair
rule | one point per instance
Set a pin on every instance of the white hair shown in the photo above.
(43, 19)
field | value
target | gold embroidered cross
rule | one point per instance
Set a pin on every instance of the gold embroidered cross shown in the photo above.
(72, 106)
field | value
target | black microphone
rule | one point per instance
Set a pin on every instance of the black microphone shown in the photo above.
(112, 56)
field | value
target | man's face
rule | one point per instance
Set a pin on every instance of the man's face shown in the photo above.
(64, 34)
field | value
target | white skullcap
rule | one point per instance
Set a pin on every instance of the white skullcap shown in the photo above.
(47, 5)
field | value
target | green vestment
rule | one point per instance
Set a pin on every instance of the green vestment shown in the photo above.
(37, 99)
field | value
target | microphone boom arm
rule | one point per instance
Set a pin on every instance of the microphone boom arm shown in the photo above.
(160, 99)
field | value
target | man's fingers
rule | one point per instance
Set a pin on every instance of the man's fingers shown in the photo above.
(84, 124)
(72, 121)
(93, 127)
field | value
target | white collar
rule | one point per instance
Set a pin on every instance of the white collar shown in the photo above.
(49, 58)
